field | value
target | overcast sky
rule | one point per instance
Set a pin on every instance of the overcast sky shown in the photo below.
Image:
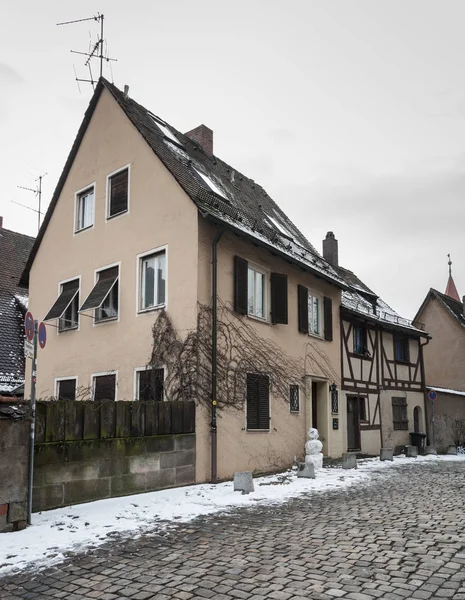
(351, 113)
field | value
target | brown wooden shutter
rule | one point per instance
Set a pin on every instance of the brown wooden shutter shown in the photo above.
(252, 401)
(240, 285)
(328, 318)
(119, 192)
(302, 308)
(263, 402)
(278, 298)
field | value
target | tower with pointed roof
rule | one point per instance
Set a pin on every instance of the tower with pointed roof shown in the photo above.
(451, 289)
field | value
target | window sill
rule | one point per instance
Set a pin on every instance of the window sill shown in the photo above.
(258, 430)
(404, 362)
(75, 328)
(83, 229)
(142, 311)
(259, 319)
(294, 412)
(317, 336)
(116, 215)
(103, 321)
(362, 356)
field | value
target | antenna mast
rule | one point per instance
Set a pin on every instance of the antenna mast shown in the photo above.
(96, 52)
(38, 193)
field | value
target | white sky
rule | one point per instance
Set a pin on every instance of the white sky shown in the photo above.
(350, 114)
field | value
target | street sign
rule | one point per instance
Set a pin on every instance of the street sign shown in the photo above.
(432, 395)
(42, 335)
(29, 326)
(28, 349)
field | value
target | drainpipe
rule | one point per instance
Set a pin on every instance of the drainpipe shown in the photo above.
(425, 394)
(214, 459)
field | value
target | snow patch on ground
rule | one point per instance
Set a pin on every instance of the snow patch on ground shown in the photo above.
(56, 533)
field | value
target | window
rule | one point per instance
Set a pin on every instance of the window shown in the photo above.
(314, 314)
(256, 293)
(118, 192)
(294, 398)
(66, 306)
(103, 298)
(150, 384)
(360, 341)
(152, 280)
(104, 387)
(362, 409)
(258, 401)
(401, 349)
(66, 389)
(70, 318)
(399, 413)
(84, 209)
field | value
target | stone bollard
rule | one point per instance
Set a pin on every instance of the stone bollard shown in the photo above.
(243, 482)
(411, 451)
(306, 469)
(349, 460)
(431, 450)
(386, 454)
(451, 450)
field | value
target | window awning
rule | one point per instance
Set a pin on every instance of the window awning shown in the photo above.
(69, 292)
(101, 290)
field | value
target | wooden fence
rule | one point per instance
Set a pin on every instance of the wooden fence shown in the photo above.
(64, 421)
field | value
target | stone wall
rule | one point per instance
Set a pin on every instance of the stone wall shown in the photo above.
(71, 472)
(14, 448)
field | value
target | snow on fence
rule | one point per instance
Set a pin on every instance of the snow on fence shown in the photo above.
(62, 421)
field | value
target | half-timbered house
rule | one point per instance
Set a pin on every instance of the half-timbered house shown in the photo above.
(382, 373)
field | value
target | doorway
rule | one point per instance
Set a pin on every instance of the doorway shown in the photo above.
(353, 423)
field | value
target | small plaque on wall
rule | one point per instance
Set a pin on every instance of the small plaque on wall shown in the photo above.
(335, 423)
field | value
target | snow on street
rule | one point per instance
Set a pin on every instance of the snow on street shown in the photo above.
(56, 533)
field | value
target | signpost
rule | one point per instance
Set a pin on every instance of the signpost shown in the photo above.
(34, 333)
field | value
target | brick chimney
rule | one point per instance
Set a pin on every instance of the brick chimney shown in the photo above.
(330, 250)
(203, 135)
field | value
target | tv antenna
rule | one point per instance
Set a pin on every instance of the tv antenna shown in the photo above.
(97, 51)
(38, 193)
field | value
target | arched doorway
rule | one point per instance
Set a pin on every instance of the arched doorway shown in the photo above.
(417, 420)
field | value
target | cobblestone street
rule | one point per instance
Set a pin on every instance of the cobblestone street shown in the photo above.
(401, 536)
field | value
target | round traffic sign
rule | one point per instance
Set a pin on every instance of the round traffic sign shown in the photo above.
(42, 335)
(432, 395)
(29, 326)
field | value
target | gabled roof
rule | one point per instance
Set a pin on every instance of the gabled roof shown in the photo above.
(453, 307)
(360, 301)
(14, 250)
(221, 193)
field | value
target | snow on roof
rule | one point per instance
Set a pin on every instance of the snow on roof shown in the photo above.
(23, 300)
(446, 390)
(166, 132)
(281, 228)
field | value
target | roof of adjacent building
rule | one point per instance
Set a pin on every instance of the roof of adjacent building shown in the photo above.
(222, 194)
(359, 300)
(446, 391)
(14, 251)
(453, 307)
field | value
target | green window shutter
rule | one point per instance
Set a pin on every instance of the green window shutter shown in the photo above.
(240, 285)
(328, 318)
(302, 308)
(278, 298)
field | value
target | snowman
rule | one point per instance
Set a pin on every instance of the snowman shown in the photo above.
(313, 449)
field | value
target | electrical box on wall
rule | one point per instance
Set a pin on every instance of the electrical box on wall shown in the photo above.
(335, 423)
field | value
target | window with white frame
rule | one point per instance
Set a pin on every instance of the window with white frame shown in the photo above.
(104, 387)
(118, 193)
(150, 384)
(66, 389)
(314, 314)
(70, 318)
(152, 277)
(256, 289)
(104, 297)
(85, 209)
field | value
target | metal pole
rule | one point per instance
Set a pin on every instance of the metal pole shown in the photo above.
(214, 458)
(40, 198)
(433, 424)
(101, 45)
(32, 427)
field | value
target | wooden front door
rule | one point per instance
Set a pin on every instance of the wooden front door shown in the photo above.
(353, 423)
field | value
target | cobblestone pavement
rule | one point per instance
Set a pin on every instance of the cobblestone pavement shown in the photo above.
(400, 537)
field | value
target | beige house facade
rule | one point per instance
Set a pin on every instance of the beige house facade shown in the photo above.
(142, 218)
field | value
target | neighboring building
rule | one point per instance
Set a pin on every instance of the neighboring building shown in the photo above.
(382, 366)
(14, 250)
(124, 257)
(444, 318)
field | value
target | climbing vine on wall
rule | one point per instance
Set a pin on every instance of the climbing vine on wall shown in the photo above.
(241, 350)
